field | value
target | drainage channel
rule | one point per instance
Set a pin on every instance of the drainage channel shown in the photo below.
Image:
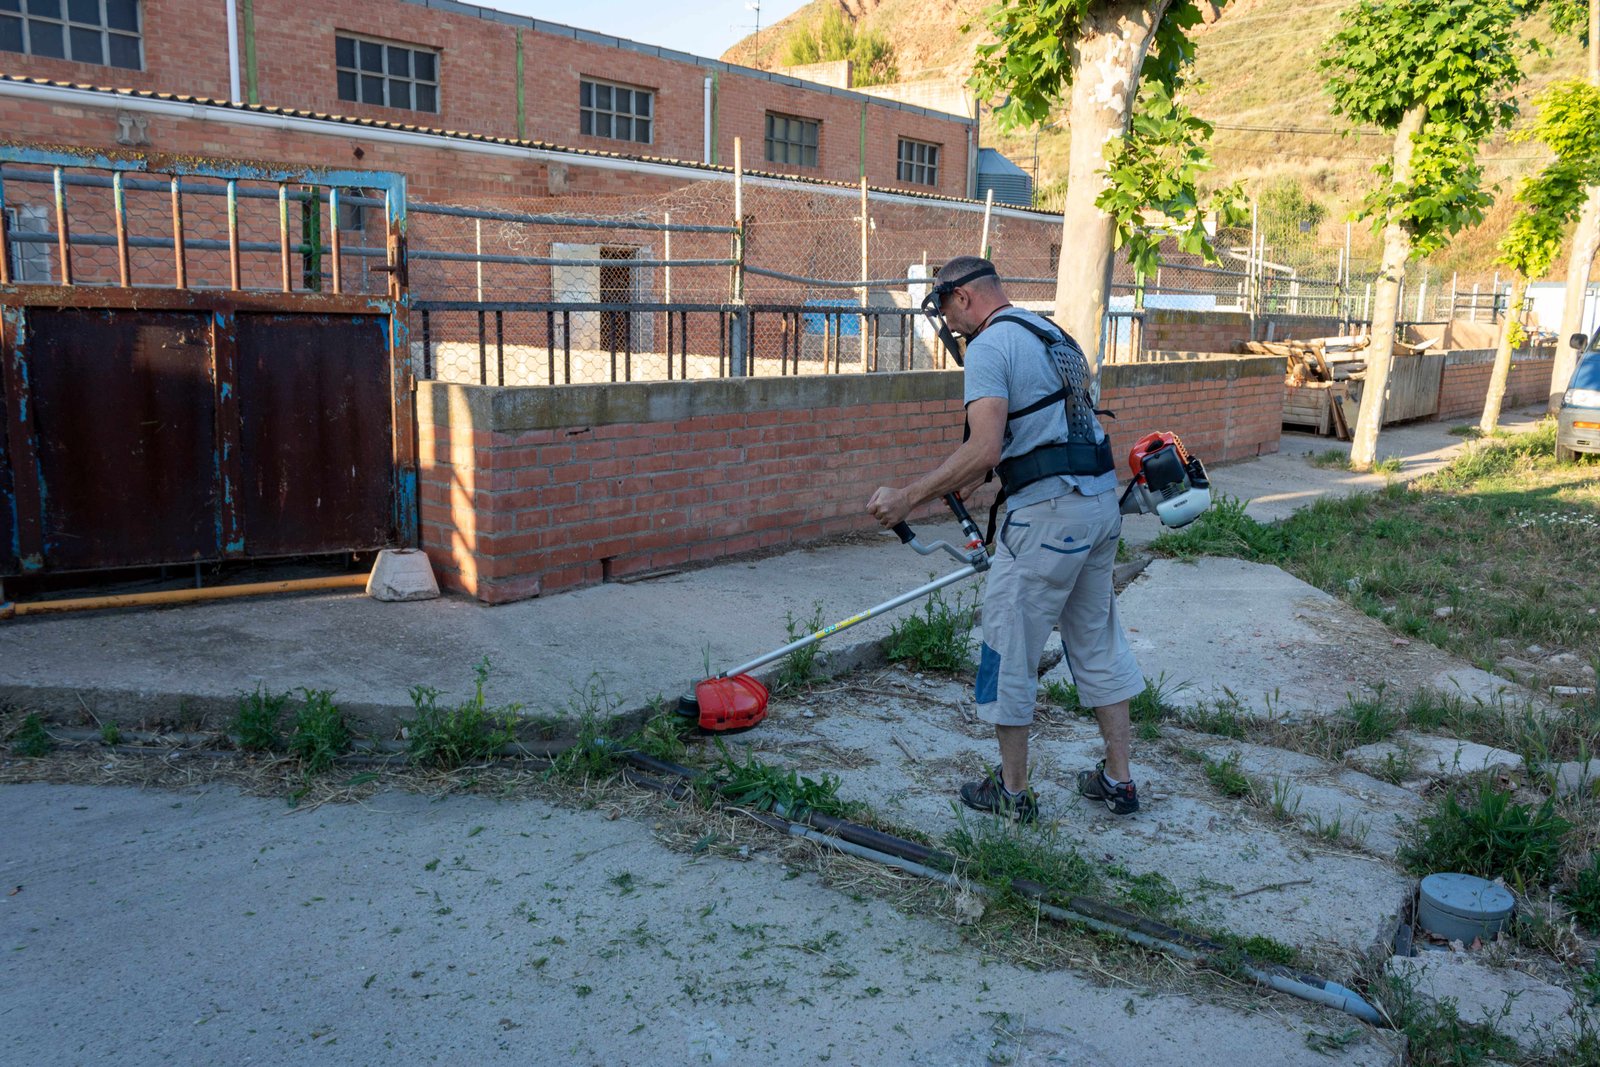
(864, 842)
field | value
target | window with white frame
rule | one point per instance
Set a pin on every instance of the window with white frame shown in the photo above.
(919, 162)
(104, 32)
(619, 112)
(389, 75)
(792, 140)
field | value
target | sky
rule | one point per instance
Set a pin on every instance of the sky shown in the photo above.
(707, 28)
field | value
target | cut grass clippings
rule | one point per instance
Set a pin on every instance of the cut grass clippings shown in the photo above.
(1504, 537)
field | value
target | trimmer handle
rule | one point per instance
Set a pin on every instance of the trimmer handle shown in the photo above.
(964, 517)
(903, 531)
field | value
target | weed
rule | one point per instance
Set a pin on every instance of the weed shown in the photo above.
(1373, 718)
(1151, 893)
(1228, 779)
(1223, 718)
(1333, 829)
(1490, 835)
(663, 735)
(799, 667)
(1239, 952)
(320, 732)
(110, 733)
(1584, 895)
(1064, 695)
(1436, 1035)
(1331, 459)
(1153, 703)
(1285, 800)
(936, 639)
(765, 787)
(1388, 465)
(256, 723)
(997, 851)
(470, 731)
(31, 738)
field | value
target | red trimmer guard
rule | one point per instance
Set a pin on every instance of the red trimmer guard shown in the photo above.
(735, 703)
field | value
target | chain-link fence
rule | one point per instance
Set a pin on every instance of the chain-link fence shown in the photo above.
(665, 278)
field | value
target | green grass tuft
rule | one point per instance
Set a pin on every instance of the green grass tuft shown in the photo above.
(255, 725)
(32, 739)
(937, 638)
(1490, 835)
(320, 731)
(466, 733)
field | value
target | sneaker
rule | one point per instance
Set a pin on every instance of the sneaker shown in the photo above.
(990, 795)
(1122, 799)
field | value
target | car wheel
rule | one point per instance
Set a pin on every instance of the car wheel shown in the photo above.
(1565, 454)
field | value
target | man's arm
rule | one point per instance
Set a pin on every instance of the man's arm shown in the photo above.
(986, 417)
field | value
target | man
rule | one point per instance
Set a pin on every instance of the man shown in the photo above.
(1054, 555)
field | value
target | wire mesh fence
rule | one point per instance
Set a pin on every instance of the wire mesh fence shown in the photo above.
(664, 278)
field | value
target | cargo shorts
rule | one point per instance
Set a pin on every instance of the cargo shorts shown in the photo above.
(1052, 568)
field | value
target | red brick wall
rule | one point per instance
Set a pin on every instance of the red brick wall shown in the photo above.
(530, 491)
(1466, 384)
(186, 52)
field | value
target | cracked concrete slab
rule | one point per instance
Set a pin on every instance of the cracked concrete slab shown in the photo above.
(469, 930)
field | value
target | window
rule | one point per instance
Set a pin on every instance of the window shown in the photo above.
(791, 140)
(919, 162)
(390, 75)
(85, 31)
(30, 260)
(615, 111)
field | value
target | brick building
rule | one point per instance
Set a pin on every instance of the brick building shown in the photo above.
(451, 66)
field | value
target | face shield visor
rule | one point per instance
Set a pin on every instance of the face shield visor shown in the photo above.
(932, 307)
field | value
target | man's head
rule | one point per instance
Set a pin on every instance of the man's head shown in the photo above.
(966, 292)
(969, 292)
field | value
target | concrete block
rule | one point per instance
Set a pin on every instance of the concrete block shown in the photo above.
(1579, 776)
(402, 574)
(1534, 1014)
(1435, 757)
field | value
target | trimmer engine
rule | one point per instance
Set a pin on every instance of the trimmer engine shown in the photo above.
(1167, 481)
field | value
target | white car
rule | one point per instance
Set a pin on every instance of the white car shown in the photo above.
(1578, 426)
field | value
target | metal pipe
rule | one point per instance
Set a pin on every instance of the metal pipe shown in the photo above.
(233, 50)
(119, 205)
(547, 261)
(233, 234)
(183, 596)
(180, 266)
(63, 238)
(421, 208)
(283, 237)
(335, 239)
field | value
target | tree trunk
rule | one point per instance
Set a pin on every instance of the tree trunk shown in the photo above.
(1106, 60)
(1581, 260)
(1385, 306)
(1501, 374)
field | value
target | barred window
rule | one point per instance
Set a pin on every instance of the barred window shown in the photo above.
(919, 162)
(85, 31)
(389, 75)
(791, 140)
(619, 112)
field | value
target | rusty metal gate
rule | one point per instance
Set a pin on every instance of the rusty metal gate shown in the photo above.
(182, 379)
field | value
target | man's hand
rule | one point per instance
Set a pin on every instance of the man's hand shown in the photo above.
(889, 506)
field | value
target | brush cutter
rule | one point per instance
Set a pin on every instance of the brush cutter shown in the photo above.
(1167, 481)
(733, 700)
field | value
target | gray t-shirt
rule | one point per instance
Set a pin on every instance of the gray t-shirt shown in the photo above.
(1008, 361)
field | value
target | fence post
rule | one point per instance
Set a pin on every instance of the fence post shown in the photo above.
(988, 209)
(865, 299)
(666, 272)
(1252, 283)
(741, 315)
(1422, 295)
(477, 244)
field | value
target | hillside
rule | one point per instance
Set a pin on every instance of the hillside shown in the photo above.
(1257, 80)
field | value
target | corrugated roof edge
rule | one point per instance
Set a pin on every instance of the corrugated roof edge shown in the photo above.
(609, 41)
(543, 146)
